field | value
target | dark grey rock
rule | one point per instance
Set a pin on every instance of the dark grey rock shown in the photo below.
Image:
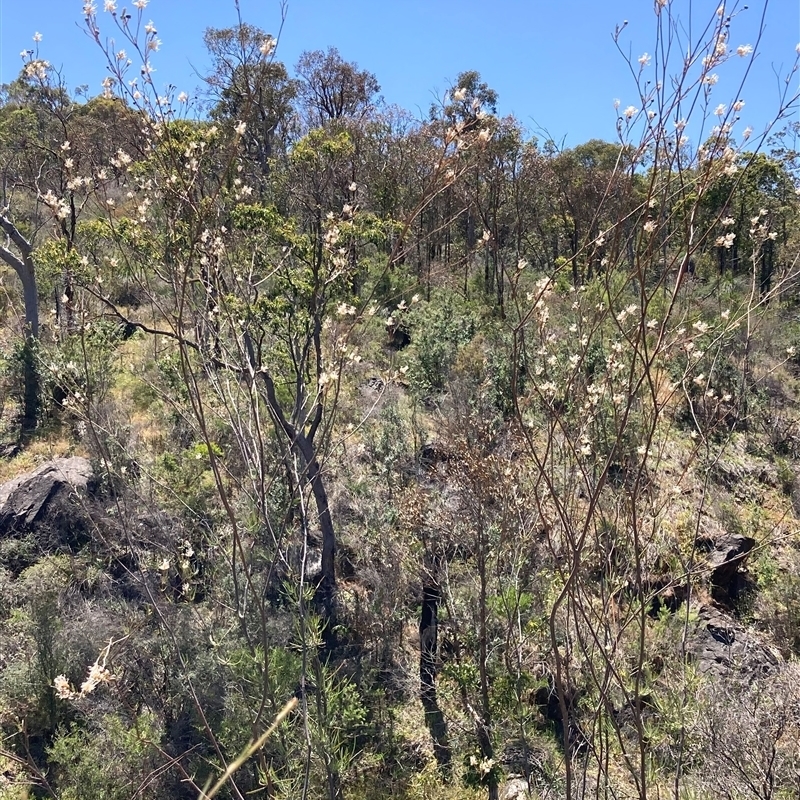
(722, 647)
(727, 558)
(23, 500)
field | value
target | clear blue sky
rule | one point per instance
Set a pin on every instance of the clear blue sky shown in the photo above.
(552, 62)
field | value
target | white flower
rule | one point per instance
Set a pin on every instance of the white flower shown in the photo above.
(644, 60)
(744, 50)
(150, 28)
(727, 221)
(738, 105)
(353, 187)
(649, 226)
(616, 102)
(140, 4)
(630, 112)
(268, 46)
(183, 97)
(37, 37)
(110, 6)
(240, 128)
(720, 110)
(459, 94)
(62, 687)
(746, 133)
(97, 674)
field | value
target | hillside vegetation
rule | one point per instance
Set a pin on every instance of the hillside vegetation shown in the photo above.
(346, 455)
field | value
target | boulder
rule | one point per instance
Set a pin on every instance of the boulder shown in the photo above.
(45, 511)
(726, 559)
(515, 789)
(721, 647)
(24, 500)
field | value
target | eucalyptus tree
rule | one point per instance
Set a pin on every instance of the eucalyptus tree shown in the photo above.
(247, 84)
(331, 88)
(51, 151)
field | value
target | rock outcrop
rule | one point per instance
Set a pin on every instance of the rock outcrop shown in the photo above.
(726, 556)
(721, 647)
(24, 500)
(45, 511)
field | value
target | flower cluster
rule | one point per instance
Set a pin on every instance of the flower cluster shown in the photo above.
(98, 673)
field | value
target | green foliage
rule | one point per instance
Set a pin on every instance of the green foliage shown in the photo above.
(54, 259)
(189, 482)
(257, 217)
(22, 376)
(439, 328)
(481, 771)
(320, 146)
(109, 759)
(388, 444)
(80, 369)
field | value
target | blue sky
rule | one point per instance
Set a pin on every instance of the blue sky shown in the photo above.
(553, 62)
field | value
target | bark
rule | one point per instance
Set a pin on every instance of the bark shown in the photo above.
(428, 643)
(767, 266)
(303, 443)
(23, 265)
(326, 591)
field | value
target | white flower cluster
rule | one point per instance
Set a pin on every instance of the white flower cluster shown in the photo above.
(98, 673)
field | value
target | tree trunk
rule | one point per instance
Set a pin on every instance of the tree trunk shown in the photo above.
(23, 265)
(428, 639)
(767, 266)
(325, 597)
(326, 591)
